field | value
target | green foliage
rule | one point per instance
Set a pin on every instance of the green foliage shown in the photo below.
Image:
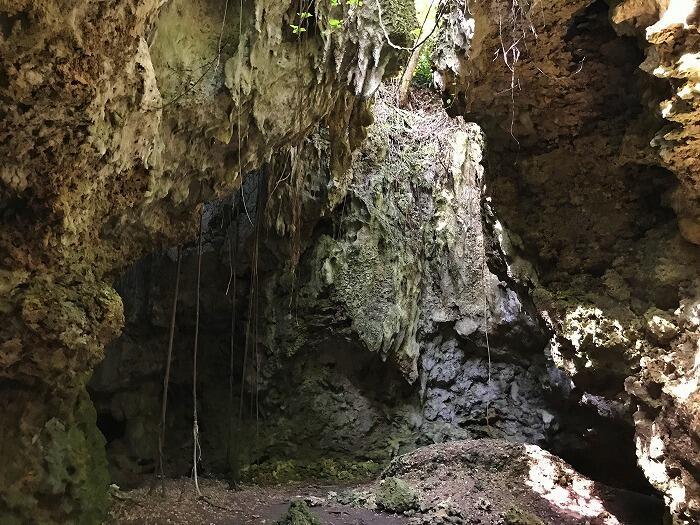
(333, 23)
(329, 469)
(351, 3)
(299, 28)
(337, 23)
(423, 76)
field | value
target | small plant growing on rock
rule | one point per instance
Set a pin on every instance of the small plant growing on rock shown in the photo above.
(298, 29)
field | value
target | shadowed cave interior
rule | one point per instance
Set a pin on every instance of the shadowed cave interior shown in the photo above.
(386, 262)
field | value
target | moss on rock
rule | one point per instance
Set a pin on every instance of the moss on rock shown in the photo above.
(399, 17)
(298, 514)
(516, 516)
(328, 469)
(395, 495)
(69, 479)
(140, 136)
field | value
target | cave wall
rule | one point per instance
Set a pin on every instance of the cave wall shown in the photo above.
(590, 172)
(119, 120)
(370, 304)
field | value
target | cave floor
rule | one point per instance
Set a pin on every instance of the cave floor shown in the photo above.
(470, 482)
(223, 506)
(448, 498)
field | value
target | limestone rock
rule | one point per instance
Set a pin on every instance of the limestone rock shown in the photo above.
(395, 495)
(661, 325)
(119, 121)
(571, 178)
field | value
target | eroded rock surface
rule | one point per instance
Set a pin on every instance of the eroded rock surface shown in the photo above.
(590, 173)
(375, 297)
(491, 481)
(119, 120)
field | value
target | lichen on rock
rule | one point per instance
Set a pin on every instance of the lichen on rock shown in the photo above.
(585, 158)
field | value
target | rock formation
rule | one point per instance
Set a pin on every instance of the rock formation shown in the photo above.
(449, 480)
(584, 172)
(372, 297)
(373, 341)
(119, 120)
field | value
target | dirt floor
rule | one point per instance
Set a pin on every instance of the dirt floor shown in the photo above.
(249, 505)
(473, 482)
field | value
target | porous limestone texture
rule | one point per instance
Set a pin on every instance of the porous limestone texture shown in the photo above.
(371, 304)
(403, 270)
(669, 30)
(118, 120)
(598, 189)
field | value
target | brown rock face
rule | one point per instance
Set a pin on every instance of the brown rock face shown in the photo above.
(118, 120)
(585, 171)
(670, 30)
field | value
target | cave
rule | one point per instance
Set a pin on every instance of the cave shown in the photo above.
(398, 262)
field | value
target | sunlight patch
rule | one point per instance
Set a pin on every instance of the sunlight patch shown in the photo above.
(563, 488)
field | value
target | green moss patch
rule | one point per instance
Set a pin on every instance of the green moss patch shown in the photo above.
(298, 514)
(328, 469)
(395, 495)
(515, 516)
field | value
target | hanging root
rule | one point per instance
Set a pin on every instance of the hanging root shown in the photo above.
(520, 27)
(166, 375)
(232, 252)
(486, 326)
(258, 220)
(196, 449)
